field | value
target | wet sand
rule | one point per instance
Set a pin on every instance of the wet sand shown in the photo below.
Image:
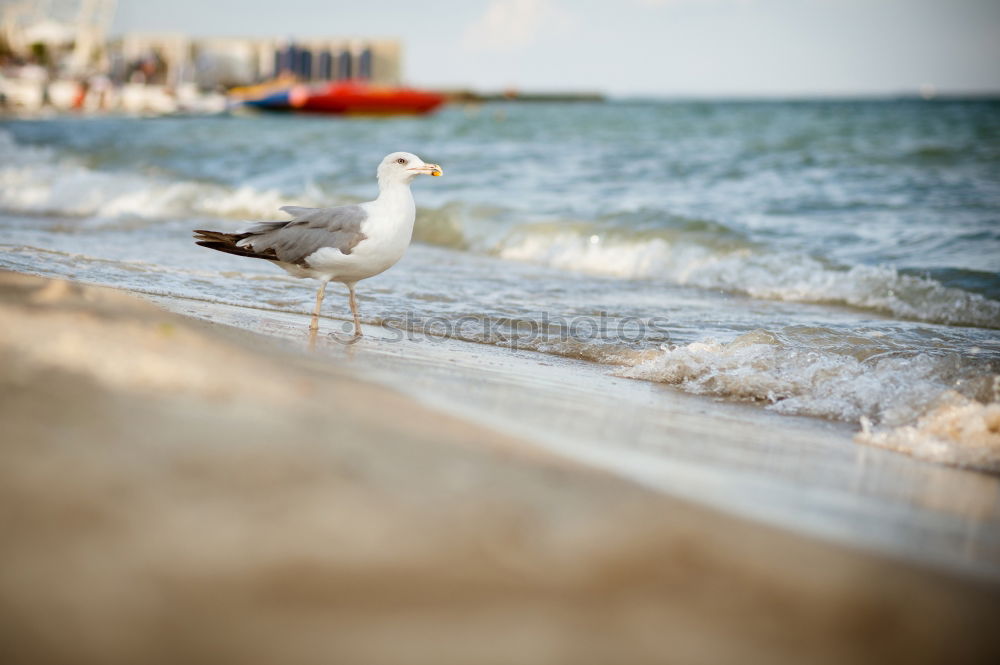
(173, 490)
(804, 474)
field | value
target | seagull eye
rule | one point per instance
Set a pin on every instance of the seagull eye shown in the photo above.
(400, 161)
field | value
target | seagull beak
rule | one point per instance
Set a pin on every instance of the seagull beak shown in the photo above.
(427, 169)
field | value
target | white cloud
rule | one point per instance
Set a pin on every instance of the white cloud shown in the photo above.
(510, 24)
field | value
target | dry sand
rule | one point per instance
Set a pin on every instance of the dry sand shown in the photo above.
(178, 493)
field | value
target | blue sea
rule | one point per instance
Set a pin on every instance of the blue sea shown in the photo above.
(834, 259)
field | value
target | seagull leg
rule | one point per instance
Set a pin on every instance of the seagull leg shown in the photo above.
(354, 310)
(314, 324)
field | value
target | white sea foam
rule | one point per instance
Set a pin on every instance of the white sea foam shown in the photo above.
(957, 430)
(38, 181)
(798, 379)
(904, 402)
(756, 272)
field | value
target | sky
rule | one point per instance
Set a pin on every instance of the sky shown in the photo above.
(636, 47)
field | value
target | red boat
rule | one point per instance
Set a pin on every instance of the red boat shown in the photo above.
(345, 97)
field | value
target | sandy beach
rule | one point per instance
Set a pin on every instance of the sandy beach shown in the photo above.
(175, 490)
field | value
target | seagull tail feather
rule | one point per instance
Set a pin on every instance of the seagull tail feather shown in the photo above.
(226, 242)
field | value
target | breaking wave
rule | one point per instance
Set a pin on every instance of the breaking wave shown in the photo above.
(747, 269)
(936, 406)
(956, 430)
(36, 180)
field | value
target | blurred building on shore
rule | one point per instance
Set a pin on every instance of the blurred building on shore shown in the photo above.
(224, 62)
(57, 54)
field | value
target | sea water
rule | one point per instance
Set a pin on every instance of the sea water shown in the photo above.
(836, 259)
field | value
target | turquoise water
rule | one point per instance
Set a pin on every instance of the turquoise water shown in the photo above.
(837, 259)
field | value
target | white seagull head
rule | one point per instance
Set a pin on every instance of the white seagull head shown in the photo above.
(403, 167)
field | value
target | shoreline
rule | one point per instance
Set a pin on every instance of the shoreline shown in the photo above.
(800, 473)
(175, 490)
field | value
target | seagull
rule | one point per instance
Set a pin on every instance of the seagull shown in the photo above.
(343, 244)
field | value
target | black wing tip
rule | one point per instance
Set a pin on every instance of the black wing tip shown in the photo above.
(202, 234)
(215, 244)
(230, 247)
(219, 236)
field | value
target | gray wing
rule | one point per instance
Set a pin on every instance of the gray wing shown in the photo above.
(311, 230)
(298, 211)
